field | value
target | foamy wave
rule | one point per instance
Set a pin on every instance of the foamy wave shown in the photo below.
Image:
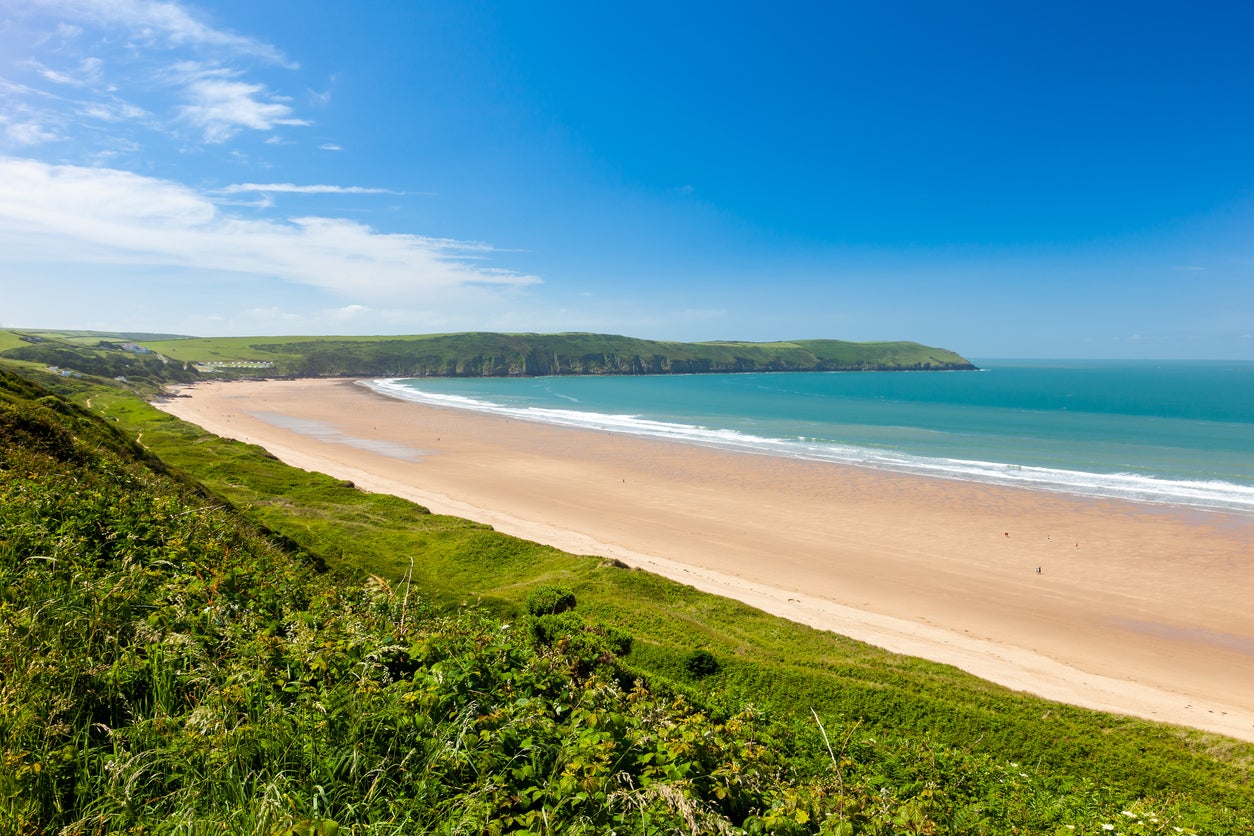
(1217, 495)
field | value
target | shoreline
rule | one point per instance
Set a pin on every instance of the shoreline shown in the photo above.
(1138, 609)
(1185, 491)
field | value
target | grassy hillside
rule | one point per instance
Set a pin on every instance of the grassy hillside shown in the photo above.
(174, 658)
(168, 667)
(489, 354)
(145, 362)
(101, 356)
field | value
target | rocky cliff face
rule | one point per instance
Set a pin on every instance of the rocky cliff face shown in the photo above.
(534, 355)
(532, 365)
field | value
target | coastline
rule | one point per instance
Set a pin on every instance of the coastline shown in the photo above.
(1138, 609)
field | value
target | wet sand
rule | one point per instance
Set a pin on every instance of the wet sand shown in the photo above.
(1137, 609)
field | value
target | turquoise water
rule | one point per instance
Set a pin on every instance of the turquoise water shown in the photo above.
(1179, 433)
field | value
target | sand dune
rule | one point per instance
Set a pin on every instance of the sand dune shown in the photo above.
(1137, 609)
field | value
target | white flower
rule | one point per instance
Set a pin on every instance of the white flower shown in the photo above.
(1129, 814)
(1108, 827)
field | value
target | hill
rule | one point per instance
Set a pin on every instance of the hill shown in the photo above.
(195, 637)
(506, 355)
(154, 359)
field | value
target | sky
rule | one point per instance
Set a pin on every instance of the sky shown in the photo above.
(1028, 179)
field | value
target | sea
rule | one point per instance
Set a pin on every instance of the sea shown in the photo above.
(1176, 433)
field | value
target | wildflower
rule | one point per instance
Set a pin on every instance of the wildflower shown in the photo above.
(1129, 814)
(1108, 827)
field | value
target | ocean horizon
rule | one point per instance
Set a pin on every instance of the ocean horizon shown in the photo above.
(1168, 432)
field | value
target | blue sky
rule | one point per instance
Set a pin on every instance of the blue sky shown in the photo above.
(1003, 179)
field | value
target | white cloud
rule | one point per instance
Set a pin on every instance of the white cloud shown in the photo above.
(75, 215)
(27, 133)
(222, 106)
(271, 314)
(56, 77)
(116, 111)
(345, 319)
(295, 189)
(322, 99)
(12, 88)
(167, 22)
(331, 146)
(154, 49)
(348, 312)
(89, 69)
(87, 72)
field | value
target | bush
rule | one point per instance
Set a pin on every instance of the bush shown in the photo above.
(701, 663)
(550, 600)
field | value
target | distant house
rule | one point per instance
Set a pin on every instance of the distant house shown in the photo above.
(135, 348)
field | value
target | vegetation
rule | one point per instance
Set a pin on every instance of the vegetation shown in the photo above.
(502, 355)
(117, 357)
(195, 637)
(452, 355)
(701, 663)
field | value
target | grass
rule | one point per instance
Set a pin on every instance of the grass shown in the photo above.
(182, 359)
(533, 354)
(10, 339)
(777, 665)
(195, 637)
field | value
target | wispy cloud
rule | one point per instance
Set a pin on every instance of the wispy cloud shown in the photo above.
(24, 133)
(85, 73)
(295, 189)
(223, 106)
(330, 146)
(165, 23)
(322, 98)
(29, 116)
(12, 89)
(103, 58)
(112, 111)
(80, 215)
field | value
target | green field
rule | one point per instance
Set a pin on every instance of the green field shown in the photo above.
(165, 359)
(480, 354)
(381, 671)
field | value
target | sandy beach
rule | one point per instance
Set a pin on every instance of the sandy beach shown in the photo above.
(1137, 609)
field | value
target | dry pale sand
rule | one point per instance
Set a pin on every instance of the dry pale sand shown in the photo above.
(1138, 609)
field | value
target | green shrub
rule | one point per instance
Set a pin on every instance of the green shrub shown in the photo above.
(550, 600)
(701, 663)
